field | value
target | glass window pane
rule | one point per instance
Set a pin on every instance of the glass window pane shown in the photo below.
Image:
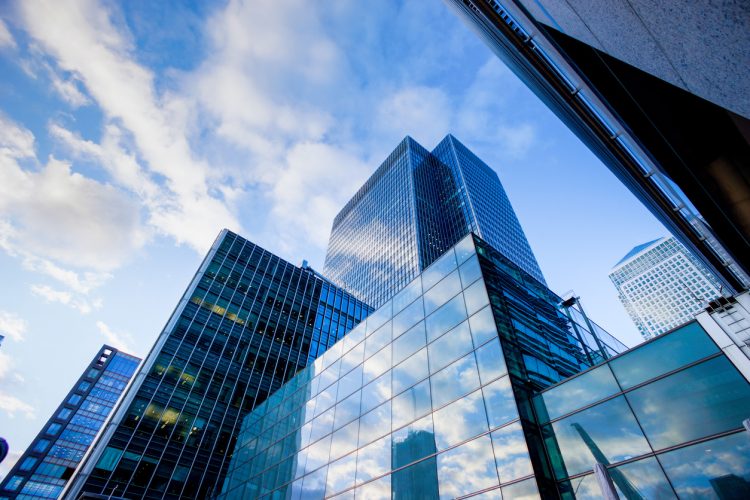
(491, 361)
(438, 269)
(317, 455)
(705, 399)
(410, 371)
(501, 405)
(470, 271)
(407, 295)
(349, 383)
(445, 318)
(441, 293)
(408, 318)
(409, 343)
(355, 336)
(379, 317)
(419, 481)
(377, 364)
(341, 474)
(376, 392)
(375, 424)
(685, 345)
(483, 326)
(353, 357)
(455, 380)
(467, 468)
(378, 340)
(376, 490)
(413, 442)
(710, 469)
(609, 425)
(347, 410)
(581, 391)
(511, 453)
(324, 400)
(314, 485)
(411, 404)
(322, 425)
(522, 490)
(641, 479)
(459, 421)
(344, 440)
(450, 347)
(476, 297)
(464, 249)
(374, 459)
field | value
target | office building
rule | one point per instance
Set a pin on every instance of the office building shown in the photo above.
(48, 463)
(662, 285)
(658, 91)
(414, 207)
(473, 379)
(247, 322)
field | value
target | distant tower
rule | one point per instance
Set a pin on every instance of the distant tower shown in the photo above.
(414, 207)
(662, 285)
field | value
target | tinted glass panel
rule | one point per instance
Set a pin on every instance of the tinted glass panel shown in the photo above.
(410, 371)
(456, 380)
(416, 482)
(407, 295)
(706, 399)
(576, 393)
(644, 478)
(684, 345)
(460, 421)
(511, 453)
(442, 292)
(409, 343)
(408, 318)
(341, 474)
(470, 271)
(413, 442)
(467, 468)
(445, 318)
(411, 404)
(483, 326)
(501, 405)
(476, 297)
(438, 269)
(374, 459)
(450, 347)
(491, 361)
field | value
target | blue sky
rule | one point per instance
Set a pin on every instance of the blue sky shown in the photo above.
(132, 132)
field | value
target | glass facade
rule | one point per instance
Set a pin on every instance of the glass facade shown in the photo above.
(420, 399)
(664, 418)
(247, 323)
(47, 465)
(414, 207)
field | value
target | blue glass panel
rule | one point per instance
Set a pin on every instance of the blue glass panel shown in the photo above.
(347, 410)
(419, 481)
(317, 455)
(454, 381)
(500, 403)
(376, 490)
(467, 469)
(407, 295)
(522, 490)
(450, 347)
(376, 392)
(445, 318)
(408, 318)
(378, 340)
(685, 345)
(438, 269)
(375, 424)
(470, 271)
(353, 358)
(483, 326)
(581, 391)
(713, 469)
(349, 383)
(606, 430)
(476, 297)
(314, 485)
(410, 371)
(460, 420)
(377, 364)
(374, 459)
(341, 474)
(705, 399)
(344, 440)
(411, 404)
(641, 479)
(413, 442)
(511, 453)
(409, 343)
(442, 292)
(491, 361)
(464, 249)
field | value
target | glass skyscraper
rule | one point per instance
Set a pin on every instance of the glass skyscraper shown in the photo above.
(414, 207)
(662, 285)
(247, 323)
(47, 465)
(476, 380)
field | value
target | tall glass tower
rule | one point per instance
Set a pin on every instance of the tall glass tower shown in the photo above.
(416, 206)
(49, 461)
(247, 323)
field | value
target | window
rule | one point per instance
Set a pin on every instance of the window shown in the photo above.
(27, 463)
(64, 413)
(74, 399)
(53, 429)
(41, 445)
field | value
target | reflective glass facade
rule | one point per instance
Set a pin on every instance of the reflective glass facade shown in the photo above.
(421, 400)
(48, 463)
(246, 324)
(414, 207)
(665, 419)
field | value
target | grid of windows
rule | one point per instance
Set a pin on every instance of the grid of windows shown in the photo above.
(415, 401)
(49, 462)
(663, 286)
(246, 324)
(414, 207)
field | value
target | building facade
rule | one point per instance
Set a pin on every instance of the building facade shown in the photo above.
(658, 97)
(414, 207)
(418, 401)
(471, 381)
(247, 323)
(46, 466)
(662, 285)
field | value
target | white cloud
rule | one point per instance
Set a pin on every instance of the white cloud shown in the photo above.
(120, 341)
(9, 403)
(12, 326)
(422, 112)
(68, 90)
(12, 405)
(6, 38)
(77, 302)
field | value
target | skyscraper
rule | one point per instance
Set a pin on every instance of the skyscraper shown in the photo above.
(657, 90)
(662, 285)
(414, 207)
(473, 380)
(48, 463)
(247, 322)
